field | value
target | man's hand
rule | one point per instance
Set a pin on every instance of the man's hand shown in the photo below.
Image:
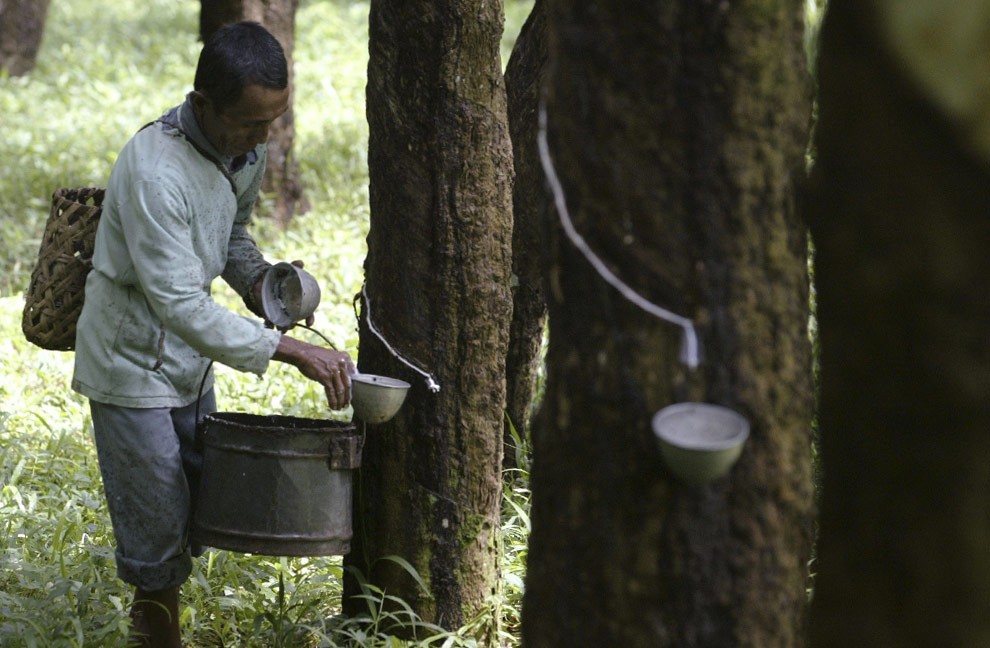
(332, 369)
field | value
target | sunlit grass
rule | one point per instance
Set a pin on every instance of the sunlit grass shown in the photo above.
(57, 574)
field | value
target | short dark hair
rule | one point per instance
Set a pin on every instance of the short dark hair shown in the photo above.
(235, 56)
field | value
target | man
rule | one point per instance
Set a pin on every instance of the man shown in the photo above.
(174, 218)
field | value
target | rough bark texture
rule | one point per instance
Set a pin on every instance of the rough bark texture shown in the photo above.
(437, 275)
(678, 130)
(898, 216)
(22, 25)
(279, 17)
(530, 204)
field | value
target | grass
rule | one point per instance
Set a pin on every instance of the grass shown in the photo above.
(101, 75)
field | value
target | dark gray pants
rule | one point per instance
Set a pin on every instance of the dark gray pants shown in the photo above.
(150, 474)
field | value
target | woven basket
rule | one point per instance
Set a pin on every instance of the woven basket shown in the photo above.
(55, 296)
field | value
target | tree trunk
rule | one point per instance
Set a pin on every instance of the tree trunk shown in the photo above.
(678, 133)
(214, 14)
(279, 17)
(437, 276)
(22, 24)
(901, 236)
(523, 82)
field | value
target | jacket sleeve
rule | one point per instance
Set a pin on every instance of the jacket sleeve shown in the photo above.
(245, 263)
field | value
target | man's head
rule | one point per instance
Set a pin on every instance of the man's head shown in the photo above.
(241, 86)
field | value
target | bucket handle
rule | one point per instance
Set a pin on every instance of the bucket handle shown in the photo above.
(344, 452)
(313, 330)
(198, 437)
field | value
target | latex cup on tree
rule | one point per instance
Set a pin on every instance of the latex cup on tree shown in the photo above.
(700, 442)
(376, 399)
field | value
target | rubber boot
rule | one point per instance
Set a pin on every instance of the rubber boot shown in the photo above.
(155, 619)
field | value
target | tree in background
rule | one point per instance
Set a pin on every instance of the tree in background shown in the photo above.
(279, 17)
(22, 24)
(530, 206)
(437, 289)
(678, 132)
(898, 211)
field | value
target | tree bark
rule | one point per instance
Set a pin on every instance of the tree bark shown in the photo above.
(437, 275)
(678, 132)
(530, 206)
(22, 25)
(279, 17)
(214, 14)
(898, 213)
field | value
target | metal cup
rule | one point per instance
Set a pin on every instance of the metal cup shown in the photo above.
(289, 294)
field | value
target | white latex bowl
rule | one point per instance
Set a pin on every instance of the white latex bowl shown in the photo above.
(377, 399)
(700, 442)
(288, 294)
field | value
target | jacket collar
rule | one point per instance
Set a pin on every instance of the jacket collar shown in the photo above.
(183, 117)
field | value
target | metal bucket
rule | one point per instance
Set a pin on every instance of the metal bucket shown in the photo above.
(276, 485)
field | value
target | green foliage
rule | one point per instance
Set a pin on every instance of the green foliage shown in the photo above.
(57, 582)
(103, 73)
(96, 81)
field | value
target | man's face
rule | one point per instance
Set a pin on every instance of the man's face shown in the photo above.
(243, 125)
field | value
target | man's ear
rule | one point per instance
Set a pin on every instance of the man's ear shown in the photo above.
(199, 101)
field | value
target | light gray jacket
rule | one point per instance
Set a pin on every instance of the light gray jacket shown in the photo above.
(171, 224)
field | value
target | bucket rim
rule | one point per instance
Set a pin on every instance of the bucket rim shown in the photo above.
(379, 381)
(667, 422)
(285, 422)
